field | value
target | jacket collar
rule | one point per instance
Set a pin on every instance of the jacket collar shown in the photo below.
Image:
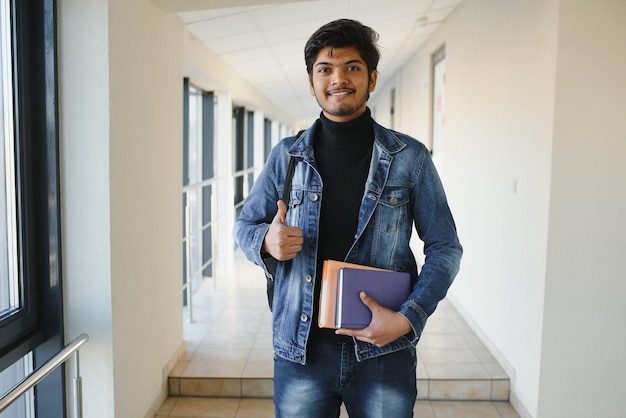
(385, 139)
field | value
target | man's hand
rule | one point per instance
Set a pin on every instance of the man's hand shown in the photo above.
(281, 241)
(386, 325)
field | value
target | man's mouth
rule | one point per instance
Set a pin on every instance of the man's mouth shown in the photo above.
(342, 92)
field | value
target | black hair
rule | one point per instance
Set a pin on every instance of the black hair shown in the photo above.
(344, 33)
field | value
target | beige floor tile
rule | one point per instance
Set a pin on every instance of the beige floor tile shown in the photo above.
(179, 368)
(439, 326)
(224, 368)
(423, 409)
(210, 387)
(443, 341)
(450, 356)
(173, 386)
(456, 371)
(213, 355)
(167, 407)
(500, 390)
(235, 325)
(423, 389)
(261, 354)
(257, 388)
(506, 410)
(205, 408)
(495, 370)
(258, 369)
(256, 408)
(469, 390)
(422, 373)
(465, 410)
(227, 340)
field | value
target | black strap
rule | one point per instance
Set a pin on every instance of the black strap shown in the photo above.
(290, 170)
(289, 177)
(270, 262)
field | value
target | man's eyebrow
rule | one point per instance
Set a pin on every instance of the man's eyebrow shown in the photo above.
(354, 61)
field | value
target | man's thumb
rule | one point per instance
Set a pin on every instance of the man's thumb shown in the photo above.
(281, 213)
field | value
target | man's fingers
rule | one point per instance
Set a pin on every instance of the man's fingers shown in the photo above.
(281, 213)
(368, 301)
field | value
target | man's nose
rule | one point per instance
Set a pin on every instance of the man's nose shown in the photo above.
(339, 77)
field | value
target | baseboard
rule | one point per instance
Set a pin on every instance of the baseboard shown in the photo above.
(176, 357)
(519, 408)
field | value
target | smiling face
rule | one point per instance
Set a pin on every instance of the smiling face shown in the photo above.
(340, 83)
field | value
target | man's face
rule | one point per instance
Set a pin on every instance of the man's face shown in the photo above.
(340, 83)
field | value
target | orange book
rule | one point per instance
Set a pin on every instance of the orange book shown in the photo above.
(328, 293)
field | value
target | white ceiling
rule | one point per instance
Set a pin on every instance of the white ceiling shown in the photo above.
(264, 40)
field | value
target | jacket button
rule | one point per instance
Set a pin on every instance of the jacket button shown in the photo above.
(308, 278)
(314, 197)
(393, 200)
(304, 317)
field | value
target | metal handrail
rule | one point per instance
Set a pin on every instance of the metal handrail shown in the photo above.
(38, 375)
(189, 233)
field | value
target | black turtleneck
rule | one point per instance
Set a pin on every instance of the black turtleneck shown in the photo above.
(343, 151)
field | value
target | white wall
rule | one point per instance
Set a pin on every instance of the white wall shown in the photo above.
(534, 169)
(145, 143)
(584, 336)
(500, 59)
(120, 103)
(85, 197)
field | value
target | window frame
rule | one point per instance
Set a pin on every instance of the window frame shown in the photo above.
(38, 326)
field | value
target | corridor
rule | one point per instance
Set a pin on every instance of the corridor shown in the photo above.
(227, 371)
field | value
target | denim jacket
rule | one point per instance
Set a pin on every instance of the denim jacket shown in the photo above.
(403, 189)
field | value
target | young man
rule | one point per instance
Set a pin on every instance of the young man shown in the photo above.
(357, 191)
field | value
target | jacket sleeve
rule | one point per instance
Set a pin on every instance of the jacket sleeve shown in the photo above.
(258, 211)
(436, 228)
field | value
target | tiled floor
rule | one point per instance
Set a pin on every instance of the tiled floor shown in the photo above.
(264, 408)
(227, 371)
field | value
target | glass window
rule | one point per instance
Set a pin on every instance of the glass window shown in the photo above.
(31, 324)
(10, 300)
(9, 288)
(24, 406)
(199, 186)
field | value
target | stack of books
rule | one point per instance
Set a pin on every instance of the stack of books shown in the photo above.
(342, 282)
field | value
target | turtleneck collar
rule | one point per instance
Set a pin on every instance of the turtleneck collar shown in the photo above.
(347, 132)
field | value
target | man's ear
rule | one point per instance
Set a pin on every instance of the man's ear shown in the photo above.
(311, 89)
(373, 78)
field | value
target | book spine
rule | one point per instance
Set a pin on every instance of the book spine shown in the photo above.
(339, 298)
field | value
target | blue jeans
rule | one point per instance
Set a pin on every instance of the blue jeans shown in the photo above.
(380, 387)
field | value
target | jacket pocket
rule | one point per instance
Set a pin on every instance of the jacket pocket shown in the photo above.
(295, 198)
(391, 210)
(294, 209)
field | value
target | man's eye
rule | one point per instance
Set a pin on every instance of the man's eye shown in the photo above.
(323, 70)
(354, 68)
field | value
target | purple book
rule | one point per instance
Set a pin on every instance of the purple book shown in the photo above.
(389, 288)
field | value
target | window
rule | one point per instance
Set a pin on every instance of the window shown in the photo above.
(243, 140)
(9, 284)
(31, 327)
(267, 138)
(438, 103)
(199, 187)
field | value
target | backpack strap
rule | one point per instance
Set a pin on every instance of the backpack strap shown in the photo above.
(271, 262)
(289, 177)
(290, 170)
